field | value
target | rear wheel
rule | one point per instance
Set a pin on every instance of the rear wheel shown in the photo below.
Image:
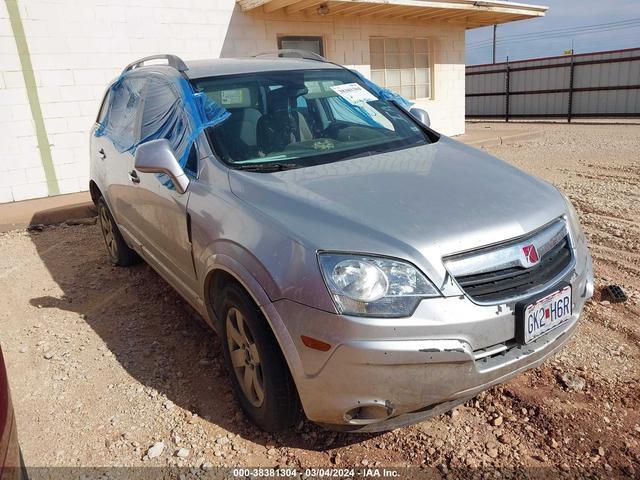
(259, 373)
(119, 252)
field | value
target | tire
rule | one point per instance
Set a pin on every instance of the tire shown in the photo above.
(259, 373)
(119, 252)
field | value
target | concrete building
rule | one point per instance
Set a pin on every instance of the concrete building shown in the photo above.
(57, 56)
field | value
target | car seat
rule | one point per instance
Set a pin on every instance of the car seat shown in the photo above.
(283, 124)
(241, 126)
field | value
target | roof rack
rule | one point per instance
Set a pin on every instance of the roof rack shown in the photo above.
(173, 61)
(293, 53)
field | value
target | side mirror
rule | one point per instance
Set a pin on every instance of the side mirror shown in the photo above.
(421, 115)
(156, 156)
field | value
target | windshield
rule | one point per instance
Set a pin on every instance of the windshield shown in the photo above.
(303, 117)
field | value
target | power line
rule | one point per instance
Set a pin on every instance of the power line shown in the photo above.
(547, 36)
(559, 35)
(563, 31)
(542, 37)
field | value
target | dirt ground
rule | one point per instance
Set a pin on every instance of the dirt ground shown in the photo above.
(105, 362)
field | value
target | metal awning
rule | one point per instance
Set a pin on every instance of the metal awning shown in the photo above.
(470, 13)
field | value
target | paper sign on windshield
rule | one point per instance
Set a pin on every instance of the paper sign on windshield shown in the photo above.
(354, 93)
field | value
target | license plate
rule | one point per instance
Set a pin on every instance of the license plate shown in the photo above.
(534, 318)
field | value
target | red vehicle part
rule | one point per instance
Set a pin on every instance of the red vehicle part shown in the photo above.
(10, 465)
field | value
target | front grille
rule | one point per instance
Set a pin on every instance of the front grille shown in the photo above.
(496, 285)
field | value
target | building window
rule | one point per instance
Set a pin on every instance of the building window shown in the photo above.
(402, 65)
(310, 44)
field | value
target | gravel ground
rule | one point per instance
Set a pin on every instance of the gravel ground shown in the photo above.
(108, 368)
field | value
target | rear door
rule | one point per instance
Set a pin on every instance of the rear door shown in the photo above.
(113, 149)
(98, 146)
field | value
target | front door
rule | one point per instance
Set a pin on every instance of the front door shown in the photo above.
(156, 211)
(159, 214)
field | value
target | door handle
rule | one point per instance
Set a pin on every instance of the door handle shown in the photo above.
(133, 176)
(102, 154)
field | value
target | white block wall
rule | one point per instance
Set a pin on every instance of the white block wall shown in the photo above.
(78, 47)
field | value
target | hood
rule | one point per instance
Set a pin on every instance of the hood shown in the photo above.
(428, 201)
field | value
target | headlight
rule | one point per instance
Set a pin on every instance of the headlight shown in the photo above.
(374, 286)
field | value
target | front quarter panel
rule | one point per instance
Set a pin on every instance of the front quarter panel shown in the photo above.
(227, 235)
(224, 226)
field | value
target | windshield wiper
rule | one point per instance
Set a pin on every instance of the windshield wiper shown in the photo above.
(266, 167)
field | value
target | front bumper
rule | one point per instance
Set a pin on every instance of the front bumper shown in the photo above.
(385, 373)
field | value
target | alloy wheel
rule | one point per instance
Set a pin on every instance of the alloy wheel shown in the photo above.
(107, 232)
(244, 357)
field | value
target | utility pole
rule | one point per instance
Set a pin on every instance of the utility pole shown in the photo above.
(495, 27)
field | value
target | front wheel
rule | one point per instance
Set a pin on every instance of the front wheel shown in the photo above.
(259, 373)
(119, 252)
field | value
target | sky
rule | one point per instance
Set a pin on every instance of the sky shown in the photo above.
(562, 14)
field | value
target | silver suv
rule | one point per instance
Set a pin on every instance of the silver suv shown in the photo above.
(359, 267)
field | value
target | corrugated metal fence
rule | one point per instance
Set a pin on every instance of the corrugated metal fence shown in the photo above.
(599, 84)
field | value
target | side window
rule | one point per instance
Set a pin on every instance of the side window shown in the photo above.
(159, 103)
(163, 116)
(121, 118)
